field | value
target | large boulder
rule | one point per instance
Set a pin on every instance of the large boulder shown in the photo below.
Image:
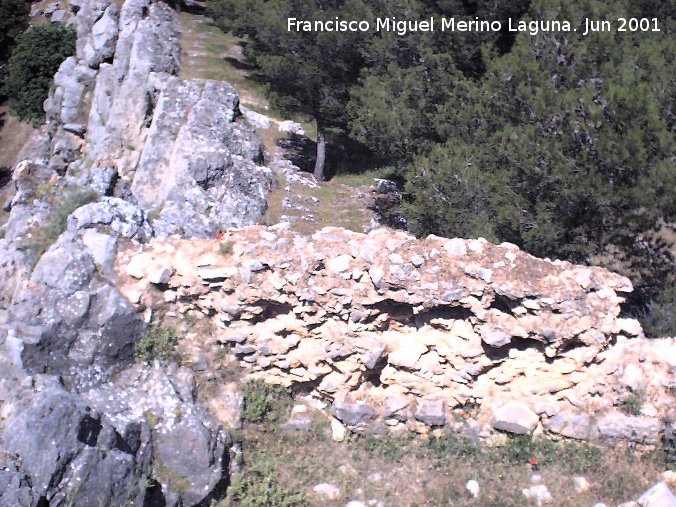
(69, 321)
(198, 165)
(71, 454)
(658, 495)
(515, 417)
(165, 398)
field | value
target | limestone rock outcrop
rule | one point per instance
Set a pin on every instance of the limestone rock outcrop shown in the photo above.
(118, 120)
(399, 333)
(122, 123)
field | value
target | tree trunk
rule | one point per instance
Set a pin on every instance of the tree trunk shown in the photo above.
(321, 153)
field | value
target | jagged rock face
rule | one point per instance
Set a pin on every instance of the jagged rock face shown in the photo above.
(121, 123)
(404, 333)
(68, 319)
(146, 55)
(167, 397)
(87, 461)
(198, 158)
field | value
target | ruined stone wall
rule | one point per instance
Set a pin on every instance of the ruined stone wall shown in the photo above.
(398, 333)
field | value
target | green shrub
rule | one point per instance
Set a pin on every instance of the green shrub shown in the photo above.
(571, 456)
(225, 248)
(36, 57)
(13, 21)
(658, 318)
(633, 402)
(157, 343)
(264, 402)
(260, 488)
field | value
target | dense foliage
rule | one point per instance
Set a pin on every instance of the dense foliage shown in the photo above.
(560, 142)
(13, 21)
(36, 57)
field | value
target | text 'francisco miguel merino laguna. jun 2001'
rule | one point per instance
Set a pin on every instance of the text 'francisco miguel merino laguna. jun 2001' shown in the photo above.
(433, 24)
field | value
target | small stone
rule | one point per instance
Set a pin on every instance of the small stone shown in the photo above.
(138, 265)
(395, 258)
(328, 491)
(496, 338)
(581, 484)
(376, 273)
(160, 275)
(631, 327)
(417, 260)
(431, 412)
(339, 264)
(473, 487)
(352, 413)
(253, 265)
(408, 352)
(455, 246)
(338, 430)
(515, 417)
(539, 493)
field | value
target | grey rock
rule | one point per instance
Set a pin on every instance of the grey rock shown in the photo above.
(112, 215)
(376, 273)
(51, 8)
(67, 306)
(256, 119)
(352, 414)
(515, 417)
(124, 96)
(198, 165)
(658, 495)
(615, 426)
(102, 248)
(203, 469)
(101, 46)
(102, 178)
(15, 487)
(58, 16)
(431, 412)
(495, 338)
(166, 396)
(375, 354)
(75, 128)
(68, 102)
(70, 453)
(571, 425)
(291, 127)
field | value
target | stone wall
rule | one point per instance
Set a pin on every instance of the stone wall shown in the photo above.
(398, 333)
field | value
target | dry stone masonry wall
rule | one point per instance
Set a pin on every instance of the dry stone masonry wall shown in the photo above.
(404, 334)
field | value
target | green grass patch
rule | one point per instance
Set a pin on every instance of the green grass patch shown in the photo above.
(158, 343)
(265, 402)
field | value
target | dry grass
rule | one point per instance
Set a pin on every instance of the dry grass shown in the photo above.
(13, 135)
(415, 472)
(209, 53)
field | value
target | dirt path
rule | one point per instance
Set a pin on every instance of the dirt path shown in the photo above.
(298, 198)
